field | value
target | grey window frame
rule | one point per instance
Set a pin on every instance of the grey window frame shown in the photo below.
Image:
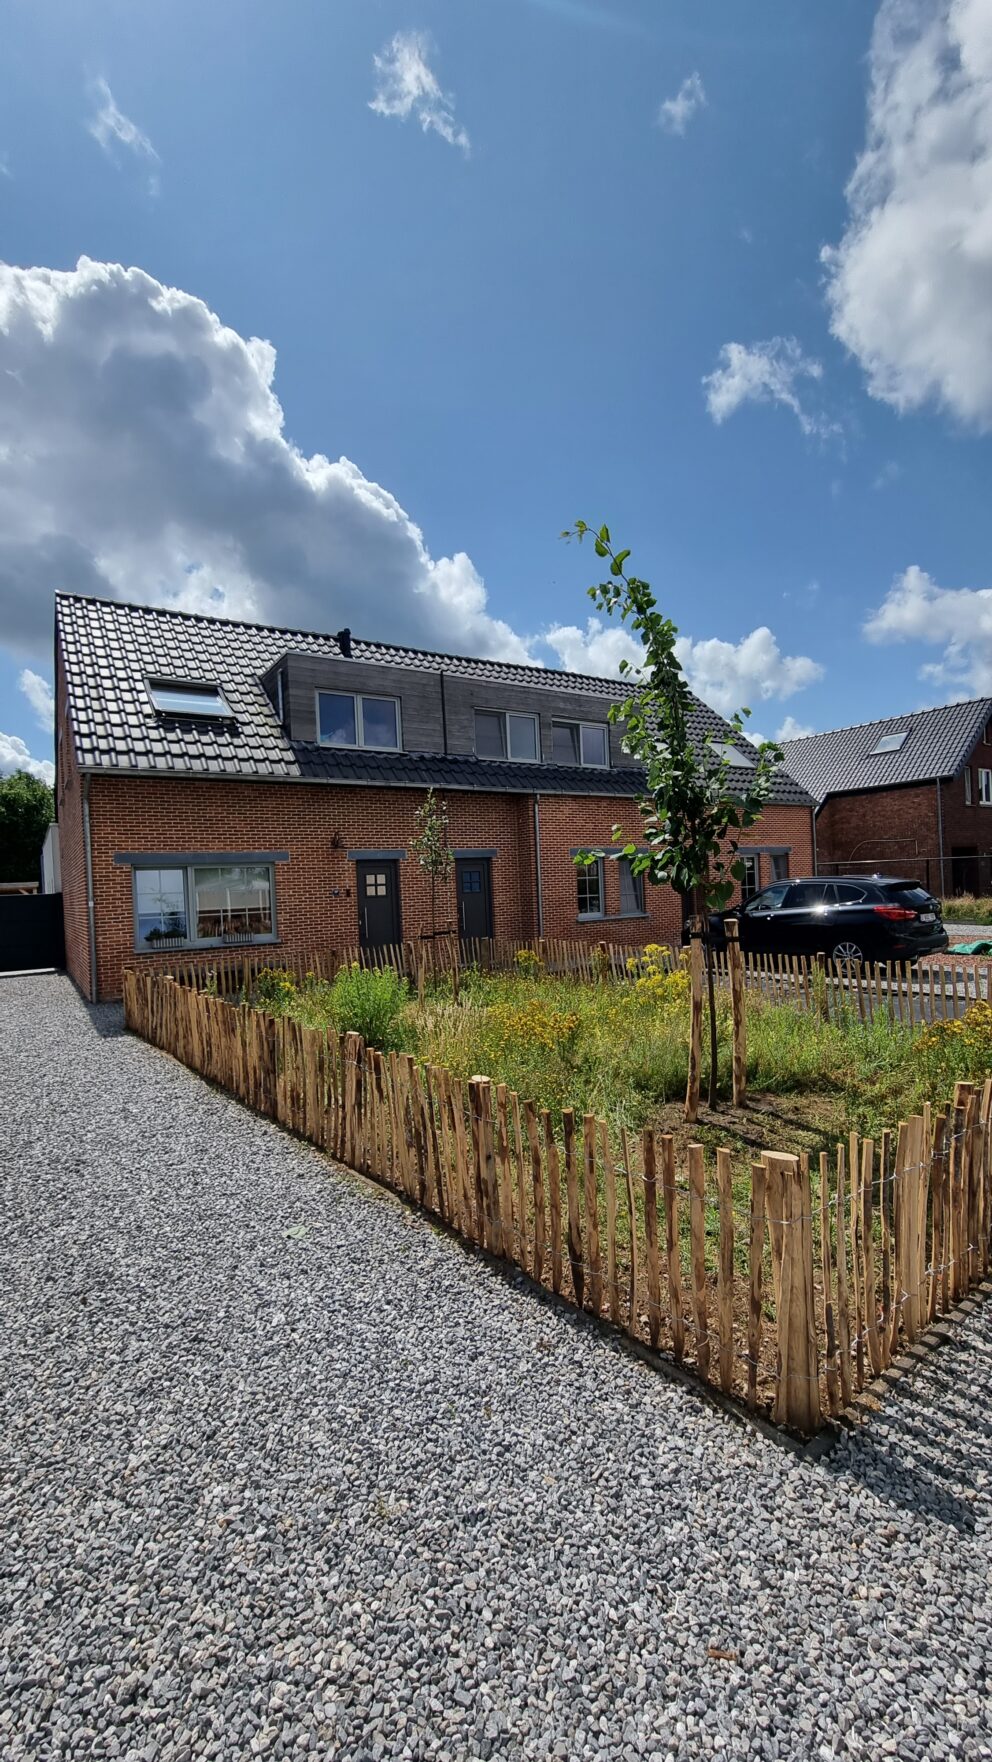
(575, 722)
(638, 883)
(508, 758)
(186, 866)
(746, 857)
(158, 682)
(779, 856)
(584, 869)
(891, 742)
(357, 698)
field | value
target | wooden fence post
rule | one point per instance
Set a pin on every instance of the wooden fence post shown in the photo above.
(798, 1399)
(696, 1024)
(738, 1008)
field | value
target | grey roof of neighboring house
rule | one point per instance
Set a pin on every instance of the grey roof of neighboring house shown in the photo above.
(111, 649)
(841, 761)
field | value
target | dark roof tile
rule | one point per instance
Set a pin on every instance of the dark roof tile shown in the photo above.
(842, 760)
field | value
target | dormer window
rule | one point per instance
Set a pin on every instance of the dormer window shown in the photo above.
(178, 697)
(352, 719)
(580, 743)
(502, 734)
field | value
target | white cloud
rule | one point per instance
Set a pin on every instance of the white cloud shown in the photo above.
(956, 619)
(675, 114)
(110, 127)
(725, 674)
(598, 649)
(793, 730)
(729, 675)
(40, 696)
(143, 456)
(406, 86)
(14, 756)
(765, 373)
(910, 284)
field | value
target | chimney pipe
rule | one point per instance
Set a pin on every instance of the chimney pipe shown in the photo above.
(343, 640)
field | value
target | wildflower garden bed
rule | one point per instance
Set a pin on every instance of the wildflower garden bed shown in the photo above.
(786, 1249)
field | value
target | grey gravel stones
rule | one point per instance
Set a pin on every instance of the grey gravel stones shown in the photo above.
(342, 1491)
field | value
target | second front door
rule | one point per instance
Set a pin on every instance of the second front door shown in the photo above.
(378, 903)
(475, 898)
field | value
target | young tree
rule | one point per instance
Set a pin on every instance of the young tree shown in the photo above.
(26, 810)
(433, 852)
(692, 816)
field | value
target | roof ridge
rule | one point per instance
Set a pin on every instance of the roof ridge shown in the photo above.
(876, 721)
(93, 599)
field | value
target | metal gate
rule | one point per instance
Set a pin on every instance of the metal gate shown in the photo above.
(31, 931)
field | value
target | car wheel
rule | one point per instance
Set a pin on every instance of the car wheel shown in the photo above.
(846, 952)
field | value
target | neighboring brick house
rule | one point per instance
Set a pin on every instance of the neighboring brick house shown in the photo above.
(911, 795)
(221, 783)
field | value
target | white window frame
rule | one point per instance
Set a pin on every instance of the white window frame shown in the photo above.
(587, 869)
(181, 865)
(357, 698)
(493, 710)
(574, 722)
(984, 787)
(968, 787)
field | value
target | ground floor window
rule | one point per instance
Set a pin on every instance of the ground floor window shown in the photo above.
(195, 905)
(589, 884)
(780, 865)
(631, 891)
(751, 878)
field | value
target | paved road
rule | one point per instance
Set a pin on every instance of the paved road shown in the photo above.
(285, 1472)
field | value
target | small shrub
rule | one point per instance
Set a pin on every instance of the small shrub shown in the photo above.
(966, 909)
(370, 1002)
(956, 1052)
(274, 990)
(528, 964)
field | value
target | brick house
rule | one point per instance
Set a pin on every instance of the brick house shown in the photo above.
(911, 795)
(222, 783)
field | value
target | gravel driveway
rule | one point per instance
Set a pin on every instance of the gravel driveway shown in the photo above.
(285, 1471)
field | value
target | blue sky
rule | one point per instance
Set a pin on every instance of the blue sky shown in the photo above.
(511, 289)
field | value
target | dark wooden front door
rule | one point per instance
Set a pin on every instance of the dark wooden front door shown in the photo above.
(475, 897)
(378, 903)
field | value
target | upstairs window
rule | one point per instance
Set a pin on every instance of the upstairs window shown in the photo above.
(352, 719)
(731, 754)
(580, 743)
(503, 734)
(967, 786)
(985, 787)
(890, 743)
(175, 697)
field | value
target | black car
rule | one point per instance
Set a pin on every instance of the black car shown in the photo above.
(845, 918)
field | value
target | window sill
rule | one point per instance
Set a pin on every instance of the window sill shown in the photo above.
(208, 947)
(591, 918)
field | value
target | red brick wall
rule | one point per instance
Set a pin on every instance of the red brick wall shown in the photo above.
(318, 825)
(885, 829)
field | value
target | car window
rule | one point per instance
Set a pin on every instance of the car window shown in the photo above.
(917, 897)
(806, 894)
(849, 893)
(768, 901)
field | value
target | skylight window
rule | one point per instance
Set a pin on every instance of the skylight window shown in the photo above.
(732, 754)
(175, 697)
(889, 743)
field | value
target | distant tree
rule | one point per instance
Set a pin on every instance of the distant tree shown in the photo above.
(27, 809)
(432, 849)
(692, 817)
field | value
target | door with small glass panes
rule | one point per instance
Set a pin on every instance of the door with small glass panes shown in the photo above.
(378, 903)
